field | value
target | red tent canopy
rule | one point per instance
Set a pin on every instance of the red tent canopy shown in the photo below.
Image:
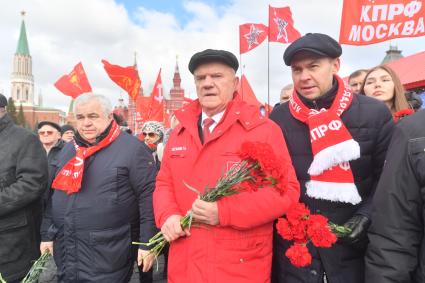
(411, 70)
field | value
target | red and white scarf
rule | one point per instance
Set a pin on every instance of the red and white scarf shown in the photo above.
(70, 177)
(333, 147)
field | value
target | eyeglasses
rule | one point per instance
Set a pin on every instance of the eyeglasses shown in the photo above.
(151, 135)
(42, 133)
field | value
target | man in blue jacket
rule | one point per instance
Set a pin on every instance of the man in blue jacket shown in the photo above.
(102, 199)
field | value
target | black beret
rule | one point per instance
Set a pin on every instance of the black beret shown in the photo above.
(211, 55)
(3, 101)
(67, 127)
(318, 43)
(49, 123)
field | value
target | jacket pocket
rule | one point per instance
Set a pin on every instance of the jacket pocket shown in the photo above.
(234, 246)
(15, 237)
(111, 248)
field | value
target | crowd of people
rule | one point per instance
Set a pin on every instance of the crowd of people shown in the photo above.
(352, 151)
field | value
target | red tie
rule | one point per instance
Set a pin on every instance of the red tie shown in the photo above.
(206, 130)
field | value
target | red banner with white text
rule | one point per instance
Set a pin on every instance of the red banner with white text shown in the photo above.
(367, 22)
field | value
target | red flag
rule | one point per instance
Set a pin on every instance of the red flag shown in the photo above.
(156, 111)
(75, 83)
(142, 108)
(367, 22)
(250, 36)
(281, 25)
(246, 92)
(126, 77)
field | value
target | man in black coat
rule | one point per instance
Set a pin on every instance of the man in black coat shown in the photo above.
(49, 134)
(23, 179)
(396, 252)
(101, 201)
(337, 141)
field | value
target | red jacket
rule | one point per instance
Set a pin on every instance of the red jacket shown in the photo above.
(239, 249)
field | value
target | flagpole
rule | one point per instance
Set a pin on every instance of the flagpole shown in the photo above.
(242, 66)
(268, 75)
(242, 72)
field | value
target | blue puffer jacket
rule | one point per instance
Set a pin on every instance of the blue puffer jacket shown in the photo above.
(370, 123)
(92, 230)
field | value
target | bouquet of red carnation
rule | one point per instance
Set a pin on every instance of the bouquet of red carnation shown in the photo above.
(302, 227)
(259, 168)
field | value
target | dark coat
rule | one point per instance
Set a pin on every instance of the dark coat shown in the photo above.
(23, 178)
(370, 123)
(93, 229)
(52, 159)
(396, 252)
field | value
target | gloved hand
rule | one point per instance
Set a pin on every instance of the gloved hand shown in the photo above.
(358, 225)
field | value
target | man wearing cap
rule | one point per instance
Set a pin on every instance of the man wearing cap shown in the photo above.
(67, 132)
(232, 241)
(23, 177)
(337, 141)
(49, 134)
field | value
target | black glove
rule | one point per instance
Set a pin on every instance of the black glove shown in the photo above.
(358, 225)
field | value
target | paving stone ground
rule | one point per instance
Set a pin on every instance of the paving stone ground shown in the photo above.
(49, 274)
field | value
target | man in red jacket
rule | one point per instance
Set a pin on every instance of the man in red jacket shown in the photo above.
(234, 242)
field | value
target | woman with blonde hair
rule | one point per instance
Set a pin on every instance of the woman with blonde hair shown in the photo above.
(382, 83)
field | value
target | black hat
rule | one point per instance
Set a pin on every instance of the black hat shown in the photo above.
(67, 127)
(3, 101)
(49, 123)
(211, 55)
(317, 43)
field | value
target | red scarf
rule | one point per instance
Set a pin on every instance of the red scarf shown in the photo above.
(397, 116)
(70, 177)
(332, 145)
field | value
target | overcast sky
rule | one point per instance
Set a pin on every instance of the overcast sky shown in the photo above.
(62, 33)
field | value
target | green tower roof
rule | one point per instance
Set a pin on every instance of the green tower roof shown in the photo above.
(22, 48)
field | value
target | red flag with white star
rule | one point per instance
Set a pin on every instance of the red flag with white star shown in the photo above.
(75, 83)
(156, 111)
(126, 77)
(250, 36)
(281, 25)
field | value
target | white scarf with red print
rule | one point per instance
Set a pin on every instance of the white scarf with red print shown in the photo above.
(333, 147)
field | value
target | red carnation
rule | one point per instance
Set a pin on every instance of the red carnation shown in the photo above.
(283, 228)
(298, 212)
(298, 255)
(319, 232)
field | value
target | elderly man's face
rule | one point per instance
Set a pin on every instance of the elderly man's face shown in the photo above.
(68, 135)
(312, 75)
(48, 135)
(91, 120)
(215, 85)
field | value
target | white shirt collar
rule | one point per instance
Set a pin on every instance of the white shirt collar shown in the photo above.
(217, 117)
